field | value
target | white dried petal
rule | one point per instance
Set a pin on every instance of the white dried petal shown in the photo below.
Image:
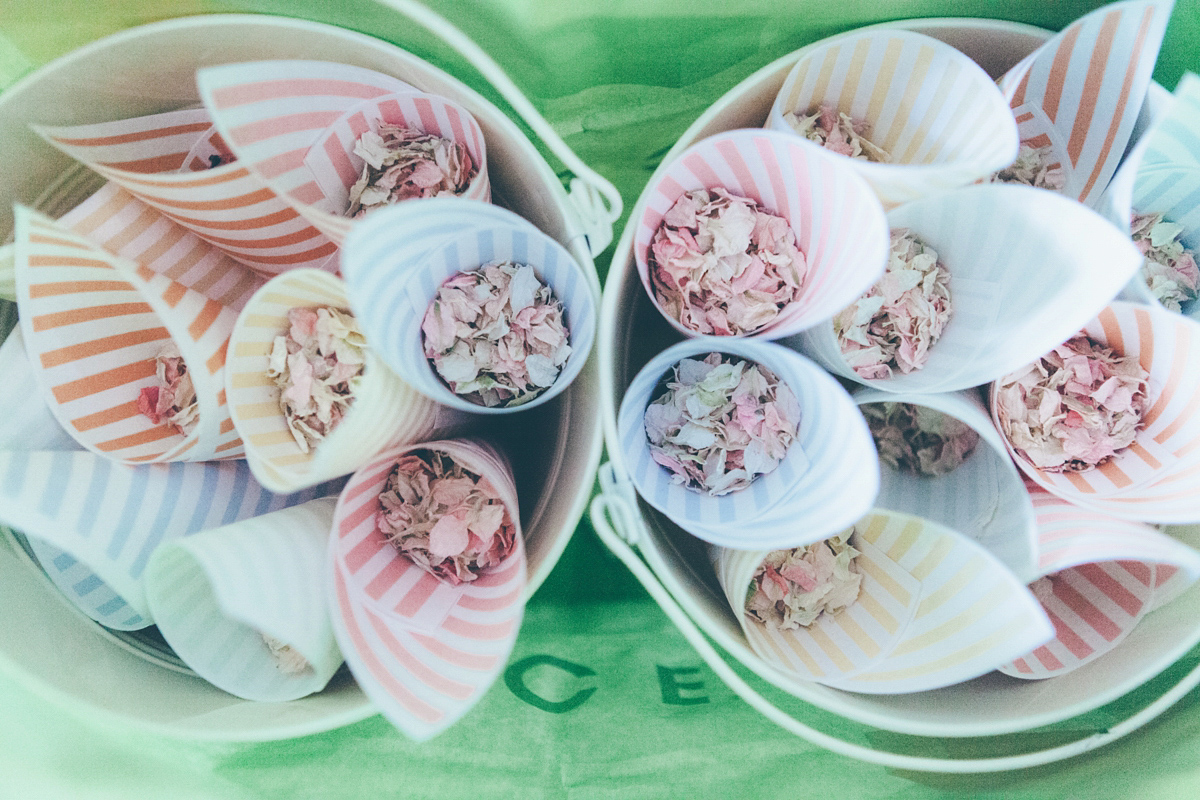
(792, 588)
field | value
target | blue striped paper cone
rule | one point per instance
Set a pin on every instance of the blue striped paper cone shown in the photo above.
(423, 651)
(934, 609)
(839, 224)
(102, 520)
(214, 596)
(828, 479)
(391, 316)
(1176, 139)
(984, 498)
(1081, 92)
(1027, 270)
(937, 113)
(385, 409)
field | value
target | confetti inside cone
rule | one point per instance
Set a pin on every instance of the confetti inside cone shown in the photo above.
(424, 651)
(94, 324)
(936, 113)
(384, 411)
(828, 479)
(1027, 270)
(1099, 576)
(167, 161)
(215, 595)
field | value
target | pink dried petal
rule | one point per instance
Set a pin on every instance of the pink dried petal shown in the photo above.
(836, 131)
(173, 400)
(403, 164)
(792, 588)
(1033, 167)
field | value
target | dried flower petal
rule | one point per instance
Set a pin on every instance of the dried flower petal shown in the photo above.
(721, 264)
(1169, 270)
(1074, 408)
(447, 520)
(721, 423)
(173, 400)
(838, 132)
(895, 323)
(918, 439)
(496, 335)
(792, 588)
(402, 163)
(317, 366)
(1033, 168)
(287, 659)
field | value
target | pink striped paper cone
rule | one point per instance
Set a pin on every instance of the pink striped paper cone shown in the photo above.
(1081, 92)
(94, 323)
(938, 115)
(166, 161)
(1104, 574)
(1157, 478)
(424, 651)
(838, 222)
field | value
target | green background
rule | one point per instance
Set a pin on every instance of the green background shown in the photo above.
(620, 80)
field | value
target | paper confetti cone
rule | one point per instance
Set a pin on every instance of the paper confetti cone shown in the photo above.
(94, 523)
(424, 651)
(216, 594)
(1027, 270)
(392, 290)
(94, 324)
(827, 480)
(165, 160)
(934, 609)
(838, 223)
(1157, 478)
(937, 113)
(1103, 577)
(385, 410)
(27, 423)
(1175, 140)
(1081, 92)
(983, 498)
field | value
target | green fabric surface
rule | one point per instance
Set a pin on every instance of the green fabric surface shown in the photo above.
(605, 699)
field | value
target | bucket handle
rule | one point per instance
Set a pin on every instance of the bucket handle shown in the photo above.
(597, 202)
(616, 522)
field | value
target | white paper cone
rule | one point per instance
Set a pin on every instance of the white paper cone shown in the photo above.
(1176, 140)
(838, 223)
(1027, 270)
(214, 595)
(984, 498)
(1157, 478)
(937, 113)
(391, 296)
(422, 650)
(94, 323)
(163, 160)
(385, 409)
(1105, 579)
(27, 423)
(1082, 91)
(827, 480)
(108, 518)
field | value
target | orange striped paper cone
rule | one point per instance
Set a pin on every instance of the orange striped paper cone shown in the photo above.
(214, 595)
(94, 324)
(178, 164)
(1081, 92)
(424, 651)
(1098, 576)
(933, 609)
(385, 410)
(1156, 478)
(938, 115)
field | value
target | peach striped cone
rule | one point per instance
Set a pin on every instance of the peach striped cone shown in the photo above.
(1105, 575)
(422, 650)
(937, 113)
(94, 323)
(839, 224)
(385, 411)
(164, 160)
(215, 594)
(1157, 478)
(934, 609)
(1081, 92)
